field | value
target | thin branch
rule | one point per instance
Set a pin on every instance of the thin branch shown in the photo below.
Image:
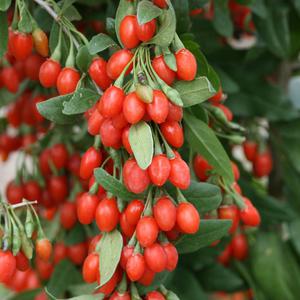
(56, 17)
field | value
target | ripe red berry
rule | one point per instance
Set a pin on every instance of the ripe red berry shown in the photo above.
(146, 31)
(14, 192)
(161, 3)
(188, 219)
(117, 62)
(126, 228)
(97, 71)
(111, 103)
(173, 133)
(217, 98)
(59, 252)
(147, 278)
(59, 156)
(229, 212)
(249, 215)
(43, 249)
(68, 215)
(159, 108)
(163, 71)
(133, 108)
(135, 179)
(21, 45)
(235, 171)
(49, 72)
(91, 159)
(180, 173)
(239, 246)
(135, 266)
(186, 65)
(67, 80)
(134, 211)
(94, 122)
(172, 256)
(22, 262)
(90, 268)
(32, 66)
(77, 253)
(250, 149)
(126, 253)
(175, 113)
(10, 79)
(7, 266)
(262, 164)
(86, 208)
(147, 231)
(107, 214)
(58, 188)
(155, 257)
(164, 212)
(125, 139)
(155, 295)
(120, 296)
(201, 167)
(128, 34)
(159, 170)
(110, 135)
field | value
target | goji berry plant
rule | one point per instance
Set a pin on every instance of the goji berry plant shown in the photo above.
(157, 149)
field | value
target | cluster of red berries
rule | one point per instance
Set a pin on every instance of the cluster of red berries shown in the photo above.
(261, 160)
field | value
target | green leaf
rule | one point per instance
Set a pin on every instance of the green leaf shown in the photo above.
(5, 293)
(25, 24)
(185, 284)
(110, 249)
(141, 142)
(258, 7)
(82, 289)
(147, 11)
(83, 59)
(52, 110)
(222, 20)
(27, 295)
(297, 5)
(4, 5)
(125, 8)
(167, 28)
(114, 186)
(170, 60)
(75, 236)
(182, 9)
(100, 42)
(203, 140)
(3, 33)
(72, 14)
(65, 274)
(275, 30)
(294, 228)
(205, 196)
(81, 101)
(216, 277)
(209, 231)
(194, 92)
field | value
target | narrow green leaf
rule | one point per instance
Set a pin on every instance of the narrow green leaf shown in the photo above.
(209, 231)
(205, 196)
(170, 60)
(141, 142)
(147, 11)
(100, 42)
(72, 14)
(194, 92)
(222, 20)
(81, 101)
(25, 24)
(52, 110)
(203, 140)
(3, 33)
(114, 186)
(26, 295)
(110, 249)
(65, 274)
(4, 5)
(83, 59)
(166, 32)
